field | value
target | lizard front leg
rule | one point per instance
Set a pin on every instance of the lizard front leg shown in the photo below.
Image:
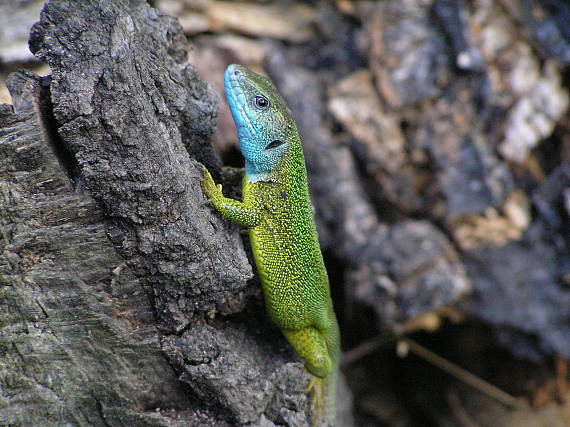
(246, 213)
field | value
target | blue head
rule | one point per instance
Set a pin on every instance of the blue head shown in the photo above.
(265, 125)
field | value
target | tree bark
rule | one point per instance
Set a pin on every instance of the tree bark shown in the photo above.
(125, 299)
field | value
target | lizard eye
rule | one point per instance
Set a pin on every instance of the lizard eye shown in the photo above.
(261, 102)
(274, 144)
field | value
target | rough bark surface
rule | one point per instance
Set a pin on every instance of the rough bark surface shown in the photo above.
(117, 276)
(79, 343)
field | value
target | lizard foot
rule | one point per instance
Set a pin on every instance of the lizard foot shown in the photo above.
(316, 390)
(209, 187)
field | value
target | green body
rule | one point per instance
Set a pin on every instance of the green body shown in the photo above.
(278, 213)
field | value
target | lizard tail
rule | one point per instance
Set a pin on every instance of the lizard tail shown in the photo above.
(330, 382)
(329, 404)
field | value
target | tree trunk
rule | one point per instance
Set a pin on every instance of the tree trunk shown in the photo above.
(125, 299)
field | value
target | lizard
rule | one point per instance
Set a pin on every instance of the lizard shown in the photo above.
(277, 211)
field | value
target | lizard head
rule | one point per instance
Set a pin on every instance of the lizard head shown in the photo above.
(265, 125)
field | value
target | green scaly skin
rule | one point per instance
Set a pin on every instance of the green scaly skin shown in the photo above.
(277, 210)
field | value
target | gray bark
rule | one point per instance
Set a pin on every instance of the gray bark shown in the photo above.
(125, 299)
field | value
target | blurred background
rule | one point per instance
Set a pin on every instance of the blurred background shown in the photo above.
(437, 140)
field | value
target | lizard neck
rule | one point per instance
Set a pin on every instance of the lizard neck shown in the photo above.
(289, 169)
(254, 174)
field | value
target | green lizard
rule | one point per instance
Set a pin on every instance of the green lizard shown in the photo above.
(277, 210)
